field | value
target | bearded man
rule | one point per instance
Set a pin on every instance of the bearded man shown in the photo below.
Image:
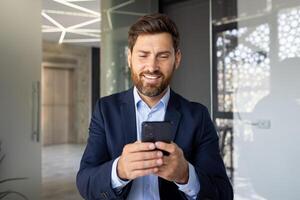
(116, 164)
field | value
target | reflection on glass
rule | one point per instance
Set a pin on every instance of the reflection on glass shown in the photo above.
(225, 130)
(257, 97)
(289, 33)
(242, 67)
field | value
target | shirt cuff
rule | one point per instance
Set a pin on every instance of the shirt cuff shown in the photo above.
(116, 182)
(192, 187)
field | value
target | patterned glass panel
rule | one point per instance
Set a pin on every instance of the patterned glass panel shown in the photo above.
(243, 68)
(289, 33)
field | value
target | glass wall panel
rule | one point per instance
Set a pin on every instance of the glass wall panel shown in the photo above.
(256, 71)
(116, 18)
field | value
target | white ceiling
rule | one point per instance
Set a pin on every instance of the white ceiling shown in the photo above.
(72, 21)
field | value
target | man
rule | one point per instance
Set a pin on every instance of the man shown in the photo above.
(117, 165)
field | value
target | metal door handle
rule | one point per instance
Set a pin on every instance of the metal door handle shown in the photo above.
(35, 126)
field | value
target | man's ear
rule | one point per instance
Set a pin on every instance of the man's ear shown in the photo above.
(177, 58)
(129, 58)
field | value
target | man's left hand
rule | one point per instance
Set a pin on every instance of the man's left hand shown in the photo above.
(175, 167)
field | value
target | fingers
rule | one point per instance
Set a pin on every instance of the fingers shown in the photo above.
(139, 159)
(145, 160)
(139, 146)
(147, 164)
(169, 147)
(140, 168)
(133, 174)
(166, 171)
(140, 156)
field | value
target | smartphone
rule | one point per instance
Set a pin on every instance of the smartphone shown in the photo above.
(157, 131)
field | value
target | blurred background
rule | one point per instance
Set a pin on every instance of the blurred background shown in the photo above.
(241, 59)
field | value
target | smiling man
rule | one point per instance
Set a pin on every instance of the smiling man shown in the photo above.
(117, 165)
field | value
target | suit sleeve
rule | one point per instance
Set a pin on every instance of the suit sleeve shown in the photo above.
(209, 165)
(94, 176)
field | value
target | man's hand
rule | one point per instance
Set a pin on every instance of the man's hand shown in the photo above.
(139, 159)
(175, 167)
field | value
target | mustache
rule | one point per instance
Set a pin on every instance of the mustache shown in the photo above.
(155, 73)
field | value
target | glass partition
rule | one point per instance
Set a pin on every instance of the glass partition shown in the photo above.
(256, 100)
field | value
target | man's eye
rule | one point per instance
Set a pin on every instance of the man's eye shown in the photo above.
(143, 56)
(164, 56)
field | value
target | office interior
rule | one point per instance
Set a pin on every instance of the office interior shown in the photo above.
(240, 59)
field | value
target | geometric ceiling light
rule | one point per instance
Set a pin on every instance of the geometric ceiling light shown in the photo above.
(78, 28)
(115, 9)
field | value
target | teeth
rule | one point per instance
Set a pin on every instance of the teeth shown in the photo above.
(151, 77)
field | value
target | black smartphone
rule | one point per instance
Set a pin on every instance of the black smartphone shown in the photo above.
(156, 131)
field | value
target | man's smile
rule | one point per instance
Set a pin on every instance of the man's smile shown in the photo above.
(152, 78)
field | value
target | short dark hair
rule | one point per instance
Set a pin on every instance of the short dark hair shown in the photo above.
(151, 24)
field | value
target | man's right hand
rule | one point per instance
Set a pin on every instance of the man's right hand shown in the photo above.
(138, 159)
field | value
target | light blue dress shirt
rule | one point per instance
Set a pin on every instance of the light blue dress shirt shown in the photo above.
(146, 187)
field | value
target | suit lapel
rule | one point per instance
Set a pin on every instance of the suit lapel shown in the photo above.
(128, 117)
(172, 113)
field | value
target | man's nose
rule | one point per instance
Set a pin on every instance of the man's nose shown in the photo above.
(153, 64)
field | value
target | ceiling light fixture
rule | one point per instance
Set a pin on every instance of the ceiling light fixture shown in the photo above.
(114, 10)
(66, 3)
(75, 29)
(84, 23)
(86, 30)
(60, 12)
(52, 21)
(62, 36)
(81, 40)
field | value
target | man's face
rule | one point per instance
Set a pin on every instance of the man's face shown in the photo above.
(153, 61)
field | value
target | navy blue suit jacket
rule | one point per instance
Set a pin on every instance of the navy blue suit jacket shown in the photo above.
(113, 125)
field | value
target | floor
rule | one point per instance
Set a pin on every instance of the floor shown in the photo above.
(60, 164)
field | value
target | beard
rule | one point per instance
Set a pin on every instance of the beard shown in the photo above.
(147, 89)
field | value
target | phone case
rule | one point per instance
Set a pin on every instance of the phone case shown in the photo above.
(156, 131)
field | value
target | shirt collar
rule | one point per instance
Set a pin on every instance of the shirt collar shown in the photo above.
(164, 100)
